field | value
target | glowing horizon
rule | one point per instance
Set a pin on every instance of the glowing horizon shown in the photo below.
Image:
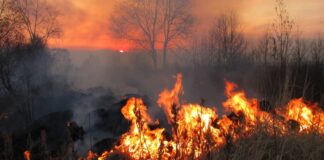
(85, 22)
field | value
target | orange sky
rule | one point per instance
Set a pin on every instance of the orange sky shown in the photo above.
(84, 22)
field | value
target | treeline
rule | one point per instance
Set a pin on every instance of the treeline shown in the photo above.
(25, 60)
(285, 64)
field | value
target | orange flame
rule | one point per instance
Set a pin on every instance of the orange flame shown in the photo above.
(140, 142)
(104, 155)
(309, 117)
(239, 104)
(91, 155)
(197, 130)
(170, 98)
(27, 155)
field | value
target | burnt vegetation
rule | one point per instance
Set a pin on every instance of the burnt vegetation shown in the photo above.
(43, 114)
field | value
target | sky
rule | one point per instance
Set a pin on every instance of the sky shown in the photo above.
(85, 23)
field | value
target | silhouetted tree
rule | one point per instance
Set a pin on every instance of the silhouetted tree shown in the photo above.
(226, 39)
(151, 23)
(299, 49)
(317, 50)
(24, 58)
(39, 20)
(281, 33)
(138, 21)
(177, 22)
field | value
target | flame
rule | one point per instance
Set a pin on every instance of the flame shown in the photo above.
(136, 110)
(140, 142)
(239, 104)
(309, 117)
(169, 99)
(104, 155)
(197, 130)
(91, 155)
(27, 155)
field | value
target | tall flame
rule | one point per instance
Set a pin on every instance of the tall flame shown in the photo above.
(140, 142)
(169, 99)
(197, 130)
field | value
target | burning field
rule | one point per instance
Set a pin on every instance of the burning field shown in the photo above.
(199, 132)
(83, 80)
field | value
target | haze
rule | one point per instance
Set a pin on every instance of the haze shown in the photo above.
(85, 22)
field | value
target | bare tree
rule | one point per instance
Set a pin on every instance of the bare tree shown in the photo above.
(137, 20)
(227, 40)
(39, 19)
(282, 29)
(299, 49)
(10, 37)
(177, 22)
(276, 47)
(9, 23)
(151, 23)
(317, 50)
(264, 48)
(277, 42)
(28, 26)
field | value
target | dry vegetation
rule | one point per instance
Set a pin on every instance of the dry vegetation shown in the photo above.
(281, 67)
(264, 147)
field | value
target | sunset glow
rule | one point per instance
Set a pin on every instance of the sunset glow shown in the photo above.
(92, 19)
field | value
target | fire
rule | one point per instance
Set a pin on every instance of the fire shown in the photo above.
(140, 142)
(91, 155)
(135, 110)
(169, 99)
(27, 155)
(309, 117)
(239, 104)
(104, 155)
(197, 130)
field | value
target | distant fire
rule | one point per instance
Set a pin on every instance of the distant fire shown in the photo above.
(121, 51)
(198, 130)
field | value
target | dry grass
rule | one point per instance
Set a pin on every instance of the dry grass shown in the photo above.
(264, 147)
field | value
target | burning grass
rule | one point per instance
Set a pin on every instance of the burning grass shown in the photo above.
(293, 131)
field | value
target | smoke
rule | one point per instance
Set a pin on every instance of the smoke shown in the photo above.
(132, 73)
(91, 85)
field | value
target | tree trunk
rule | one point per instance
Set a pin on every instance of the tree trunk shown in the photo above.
(154, 59)
(165, 51)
